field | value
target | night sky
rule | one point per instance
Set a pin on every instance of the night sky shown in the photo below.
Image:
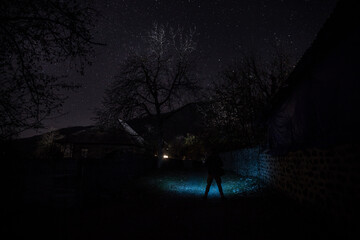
(225, 28)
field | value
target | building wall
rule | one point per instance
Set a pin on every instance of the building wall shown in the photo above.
(244, 161)
(97, 151)
(327, 178)
(321, 109)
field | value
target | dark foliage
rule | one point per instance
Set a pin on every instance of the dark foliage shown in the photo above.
(153, 81)
(241, 95)
(34, 33)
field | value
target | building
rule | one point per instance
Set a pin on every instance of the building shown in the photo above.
(314, 125)
(96, 143)
(320, 105)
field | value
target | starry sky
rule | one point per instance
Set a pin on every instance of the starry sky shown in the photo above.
(224, 29)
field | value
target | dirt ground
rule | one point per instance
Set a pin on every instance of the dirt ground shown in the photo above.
(168, 205)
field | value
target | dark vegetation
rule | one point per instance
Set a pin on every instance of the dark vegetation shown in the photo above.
(153, 81)
(32, 34)
(156, 91)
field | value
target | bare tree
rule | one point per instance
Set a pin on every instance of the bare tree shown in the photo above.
(241, 94)
(47, 146)
(34, 33)
(153, 81)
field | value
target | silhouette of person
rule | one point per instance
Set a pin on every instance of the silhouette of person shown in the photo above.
(215, 171)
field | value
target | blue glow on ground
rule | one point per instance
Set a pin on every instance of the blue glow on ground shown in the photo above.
(190, 184)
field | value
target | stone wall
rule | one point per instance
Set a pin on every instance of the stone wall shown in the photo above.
(244, 162)
(327, 178)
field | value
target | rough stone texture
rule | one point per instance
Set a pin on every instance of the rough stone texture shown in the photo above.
(328, 178)
(244, 162)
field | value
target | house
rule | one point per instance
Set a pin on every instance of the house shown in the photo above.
(178, 124)
(314, 124)
(93, 142)
(320, 105)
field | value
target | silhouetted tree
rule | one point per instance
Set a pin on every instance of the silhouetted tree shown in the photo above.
(243, 90)
(34, 33)
(153, 81)
(190, 147)
(47, 146)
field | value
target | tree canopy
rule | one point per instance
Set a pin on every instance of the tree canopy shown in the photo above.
(240, 95)
(154, 80)
(32, 34)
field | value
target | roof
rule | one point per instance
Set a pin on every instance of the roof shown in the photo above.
(338, 26)
(186, 119)
(94, 135)
(319, 106)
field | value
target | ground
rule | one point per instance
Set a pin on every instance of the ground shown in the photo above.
(168, 205)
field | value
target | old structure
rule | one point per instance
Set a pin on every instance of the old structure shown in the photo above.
(314, 125)
(319, 107)
(96, 143)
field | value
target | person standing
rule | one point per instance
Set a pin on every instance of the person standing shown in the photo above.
(215, 171)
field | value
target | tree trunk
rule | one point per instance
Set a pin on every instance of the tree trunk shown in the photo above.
(160, 152)
(160, 140)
